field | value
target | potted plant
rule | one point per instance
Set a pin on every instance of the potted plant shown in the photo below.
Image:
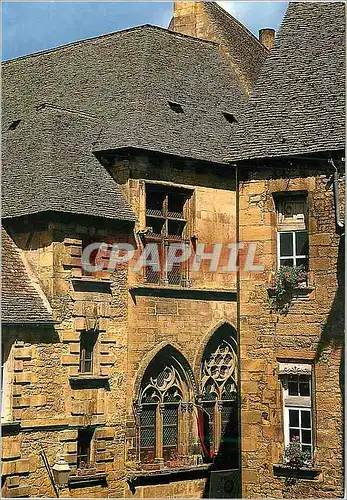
(85, 469)
(295, 457)
(287, 279)
(175, 460)
(149, 463)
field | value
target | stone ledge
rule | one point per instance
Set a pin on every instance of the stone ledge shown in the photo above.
(142, 477)
(91, 279)
(10, 428)
(182, 292)
(89, 380)
(91, 284)
(302, 293)
(88, 480)
(282, 470)
(43, 424)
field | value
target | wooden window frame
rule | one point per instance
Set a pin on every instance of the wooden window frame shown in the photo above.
(86, 446)
(164, 239)
(298, 403)
(296, 258)
(91, 337)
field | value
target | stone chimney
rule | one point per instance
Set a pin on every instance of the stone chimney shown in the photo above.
(267, 37)
(191, 18)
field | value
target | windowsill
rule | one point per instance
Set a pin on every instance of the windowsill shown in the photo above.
(169, 237)
(89, 379)
(91, 279)
(283, 470)
(298, 292)
(91, 284)
(139, 476)
(10, 427)
(87, 480)
(154, 286)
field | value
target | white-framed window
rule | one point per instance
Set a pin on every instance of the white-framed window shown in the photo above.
(297, 404)
(292, 248)
(292, 234)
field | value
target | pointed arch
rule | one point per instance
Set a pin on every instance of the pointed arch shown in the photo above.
(218, 390)
(150, 356)
(205, 339)
(165, 391)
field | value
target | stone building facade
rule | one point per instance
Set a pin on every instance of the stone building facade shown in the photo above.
(158, 382)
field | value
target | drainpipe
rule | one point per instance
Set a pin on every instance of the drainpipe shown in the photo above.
(339, 225)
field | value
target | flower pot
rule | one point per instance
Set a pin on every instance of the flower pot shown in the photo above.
(150, 466)
(175, 464)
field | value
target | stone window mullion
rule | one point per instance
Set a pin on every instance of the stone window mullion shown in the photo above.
(159, 433)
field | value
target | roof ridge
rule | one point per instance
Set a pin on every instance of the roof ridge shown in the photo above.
(105, 35)
(242, 26)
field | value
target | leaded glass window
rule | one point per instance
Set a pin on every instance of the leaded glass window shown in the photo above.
(167, 220)
(219, 380)
(164, 391)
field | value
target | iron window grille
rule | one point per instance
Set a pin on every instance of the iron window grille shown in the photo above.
(167, 214)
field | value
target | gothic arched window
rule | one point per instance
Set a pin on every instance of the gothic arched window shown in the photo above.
(164, 396)
(218, 421)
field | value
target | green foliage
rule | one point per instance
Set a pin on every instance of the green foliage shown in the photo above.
(286, 280)
(294, 455)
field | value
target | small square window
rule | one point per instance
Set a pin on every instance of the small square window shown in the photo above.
(84, 440)
(87, 348)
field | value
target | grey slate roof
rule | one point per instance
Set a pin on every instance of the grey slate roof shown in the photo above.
(20, 300)
(298, 104)
(48, 165)
(124, 79)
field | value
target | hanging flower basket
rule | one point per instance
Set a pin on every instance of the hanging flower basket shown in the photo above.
(287, 279)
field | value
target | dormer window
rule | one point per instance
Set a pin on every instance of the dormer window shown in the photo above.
(176, 107)
(14, 124)
(229, 117)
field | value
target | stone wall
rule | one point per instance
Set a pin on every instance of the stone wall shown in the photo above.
(53, 403)
(49, 402)
(49, 399)
(312, 330)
